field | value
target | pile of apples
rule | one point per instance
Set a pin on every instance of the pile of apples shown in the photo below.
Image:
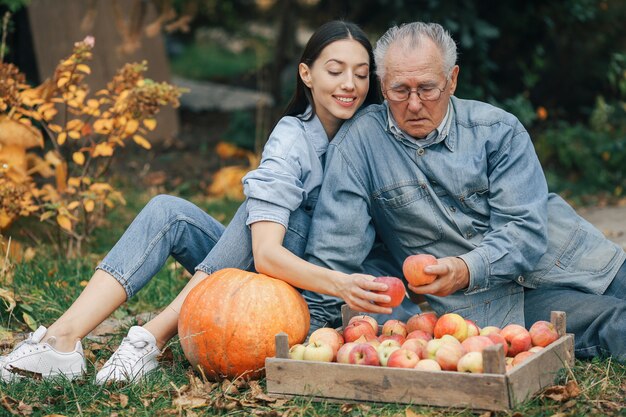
(425, 342)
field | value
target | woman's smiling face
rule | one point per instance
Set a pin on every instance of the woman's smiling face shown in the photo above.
(339, 82)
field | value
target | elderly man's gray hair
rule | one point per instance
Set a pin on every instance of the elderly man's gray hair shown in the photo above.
(411, 35)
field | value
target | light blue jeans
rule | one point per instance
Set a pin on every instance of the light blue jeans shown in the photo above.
(169, 225)
(598, 322)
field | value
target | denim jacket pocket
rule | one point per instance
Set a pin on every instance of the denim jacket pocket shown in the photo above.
(399, 204)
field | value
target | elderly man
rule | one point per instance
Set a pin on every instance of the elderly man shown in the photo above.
(430, 173)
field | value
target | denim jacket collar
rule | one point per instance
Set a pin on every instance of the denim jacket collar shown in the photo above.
(442, 131)
(314, 131)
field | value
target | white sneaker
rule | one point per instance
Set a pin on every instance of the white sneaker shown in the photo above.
(40, 360)
(133, 359)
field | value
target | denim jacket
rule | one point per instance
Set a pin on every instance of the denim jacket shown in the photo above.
(479, 193)
(289, 176)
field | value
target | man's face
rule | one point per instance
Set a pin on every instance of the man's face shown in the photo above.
(418, 69)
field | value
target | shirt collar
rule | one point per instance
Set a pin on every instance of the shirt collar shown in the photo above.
(441, 133)
(314, 131)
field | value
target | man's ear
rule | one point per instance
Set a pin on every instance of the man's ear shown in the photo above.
(454, 75)
(305, 74)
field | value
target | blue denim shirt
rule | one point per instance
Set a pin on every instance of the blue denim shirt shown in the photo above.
(478, 192)
(290, 173)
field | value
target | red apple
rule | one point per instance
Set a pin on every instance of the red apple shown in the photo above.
(343, 355)
(472, 328)
(394, 327)
(517, 337)
(413, 269)
(521, 357)
(402, 358)
(416, 345)
(419, 334)
(542, 333)
(329, 335)
(471, 362)
(395, 290)
(451, 324)
(371, 320)
(297, 351)
(476, 343)
(364, 354)
(398, 337)
(319, 351)
(422, 321)
(428, 365)
(497, 338)
(487, 330)
(357, 329)
(448, 355)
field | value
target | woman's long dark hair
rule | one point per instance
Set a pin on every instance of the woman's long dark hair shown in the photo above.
(326, 34)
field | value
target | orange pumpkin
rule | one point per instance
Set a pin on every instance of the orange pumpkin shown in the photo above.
(228, 322)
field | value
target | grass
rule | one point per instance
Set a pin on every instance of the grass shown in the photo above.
(48, 284)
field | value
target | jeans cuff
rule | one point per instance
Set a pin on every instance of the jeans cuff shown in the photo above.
(118, 277)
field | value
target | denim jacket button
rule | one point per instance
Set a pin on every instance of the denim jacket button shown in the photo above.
(420, 152)
(452, 209)
(520, 279)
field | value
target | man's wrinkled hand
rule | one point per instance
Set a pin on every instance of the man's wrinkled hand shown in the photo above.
(452, 276)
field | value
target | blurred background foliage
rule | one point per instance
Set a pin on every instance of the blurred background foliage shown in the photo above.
(560, 66)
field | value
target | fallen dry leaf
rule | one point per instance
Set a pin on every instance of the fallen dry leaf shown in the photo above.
(189, 401)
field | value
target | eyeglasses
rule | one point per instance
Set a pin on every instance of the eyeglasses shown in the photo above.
(424, 93)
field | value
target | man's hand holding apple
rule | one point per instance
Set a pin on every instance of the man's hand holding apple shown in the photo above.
(452, 275)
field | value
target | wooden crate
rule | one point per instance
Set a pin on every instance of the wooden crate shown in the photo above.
(495, 390)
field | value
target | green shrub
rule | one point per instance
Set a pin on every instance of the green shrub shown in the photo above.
(584, 159)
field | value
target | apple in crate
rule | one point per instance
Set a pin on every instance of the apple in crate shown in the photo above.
(471, 362)
(517, 337)
(356, 329)
(476, 343)
(394, 326)
(402, 358)
(452, 324)
(384, 351)
(542, 333)
(297, 351)
(328, 335)
(364, 354)
(371, 320)
(343, 355)
(448, 355)
(413, 269)
(428, 365)
(422, 321)
(319, 351)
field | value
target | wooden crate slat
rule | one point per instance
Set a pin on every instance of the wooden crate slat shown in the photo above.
(376, 384)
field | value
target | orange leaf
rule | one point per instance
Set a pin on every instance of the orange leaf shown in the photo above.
(150, 123)
(83, 68)
(61, 138)
(103, 149)
(141, 141)
(131, 126)
(89, 205)
(64, 222)
(73, 205)
(78, 157)
(62, 81)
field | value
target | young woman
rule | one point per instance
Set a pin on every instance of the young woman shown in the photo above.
(335, 77)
